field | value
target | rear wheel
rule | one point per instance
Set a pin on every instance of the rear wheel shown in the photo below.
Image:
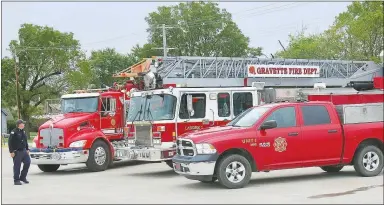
(332, 169)
(48, 167)
(234, 171)
(99, 157)
(169, 163)
(368, 161)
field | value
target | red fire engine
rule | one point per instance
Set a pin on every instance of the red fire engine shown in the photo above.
(290, 135)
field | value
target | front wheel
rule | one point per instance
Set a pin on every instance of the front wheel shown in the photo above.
(99, 157)
(234, 171)
(332, 169)
(368, 161)
(48, 167)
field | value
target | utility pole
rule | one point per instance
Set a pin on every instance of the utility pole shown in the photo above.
(164, 41)
(165, 48)
(17, 83)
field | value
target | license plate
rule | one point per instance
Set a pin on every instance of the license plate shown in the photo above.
(145, 155)
(177, 166)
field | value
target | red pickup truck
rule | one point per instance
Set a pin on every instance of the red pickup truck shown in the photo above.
(284, 136)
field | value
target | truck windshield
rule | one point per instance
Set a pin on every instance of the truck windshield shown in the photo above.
(70, 105)
(153, 107)
(249, 117)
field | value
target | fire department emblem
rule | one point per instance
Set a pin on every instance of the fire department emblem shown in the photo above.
(113, 122)
(280, 144)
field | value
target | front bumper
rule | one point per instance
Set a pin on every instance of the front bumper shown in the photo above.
(197, 168)
(145, 154)
(58, 156)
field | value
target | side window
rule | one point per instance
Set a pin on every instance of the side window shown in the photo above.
(284, 117)
(241, 102)
(315, 115)
(108, 105)
(223, 104)
(198, 104)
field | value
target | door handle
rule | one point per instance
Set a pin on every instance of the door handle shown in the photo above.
(332, 131)
(293, 134)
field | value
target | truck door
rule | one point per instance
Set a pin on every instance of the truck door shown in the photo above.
(111, 116)
(322, 138)
(199, 118)
(280, 147)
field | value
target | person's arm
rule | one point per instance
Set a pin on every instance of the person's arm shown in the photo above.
(10, 142)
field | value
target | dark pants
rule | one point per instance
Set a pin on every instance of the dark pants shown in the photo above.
(21, 157)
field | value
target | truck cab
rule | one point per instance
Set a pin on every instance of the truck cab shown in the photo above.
(86, 131)
(284, 136)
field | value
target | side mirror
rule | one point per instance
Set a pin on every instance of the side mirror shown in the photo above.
(189, 105)
(268, 125)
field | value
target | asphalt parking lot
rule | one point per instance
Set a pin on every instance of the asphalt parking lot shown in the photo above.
(130, 182)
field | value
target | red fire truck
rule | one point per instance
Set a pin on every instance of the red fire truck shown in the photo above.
(90, 127)
(87, 131)
(289, 135)
(157, 117)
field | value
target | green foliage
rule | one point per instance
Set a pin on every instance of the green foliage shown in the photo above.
(356, 34)
(199, 29)
(44, 56)
(104, 63)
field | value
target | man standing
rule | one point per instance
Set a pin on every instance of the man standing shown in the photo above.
(18, 147)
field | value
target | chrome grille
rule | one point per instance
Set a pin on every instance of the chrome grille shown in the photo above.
(185, 147)
(143, 135)
(50, 136)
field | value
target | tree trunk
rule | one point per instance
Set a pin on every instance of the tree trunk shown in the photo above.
(27, 127)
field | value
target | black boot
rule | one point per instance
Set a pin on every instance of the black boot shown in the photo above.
(18, 183)
(25, 181)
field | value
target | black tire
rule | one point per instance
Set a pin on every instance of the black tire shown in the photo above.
(332, 169)
(169, 163)
(360, 166)
(48, 167)
(221, 171)
(209, 181)
(91, 163)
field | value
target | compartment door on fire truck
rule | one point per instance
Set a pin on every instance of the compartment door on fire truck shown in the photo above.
(198, 118)
(110, 116)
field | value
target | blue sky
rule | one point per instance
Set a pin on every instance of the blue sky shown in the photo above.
(121, 25)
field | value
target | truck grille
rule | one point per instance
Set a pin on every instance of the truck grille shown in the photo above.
(185, 147)
(143, 135)
(50, 136)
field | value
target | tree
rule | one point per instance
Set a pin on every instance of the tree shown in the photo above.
(43, 56)
(198, 29)
(356, 34)
(146, 51)
(104, 63)
(82, 77)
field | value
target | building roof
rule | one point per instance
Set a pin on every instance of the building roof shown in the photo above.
(7, 113)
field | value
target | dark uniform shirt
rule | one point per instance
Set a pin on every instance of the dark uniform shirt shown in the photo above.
(17, 140)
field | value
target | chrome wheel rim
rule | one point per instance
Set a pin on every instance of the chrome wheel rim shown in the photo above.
(100, 156)
(371, 161)
(235, 172)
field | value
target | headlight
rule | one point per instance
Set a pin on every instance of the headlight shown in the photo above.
(34, 145)
(79, 143)
(205, 148)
